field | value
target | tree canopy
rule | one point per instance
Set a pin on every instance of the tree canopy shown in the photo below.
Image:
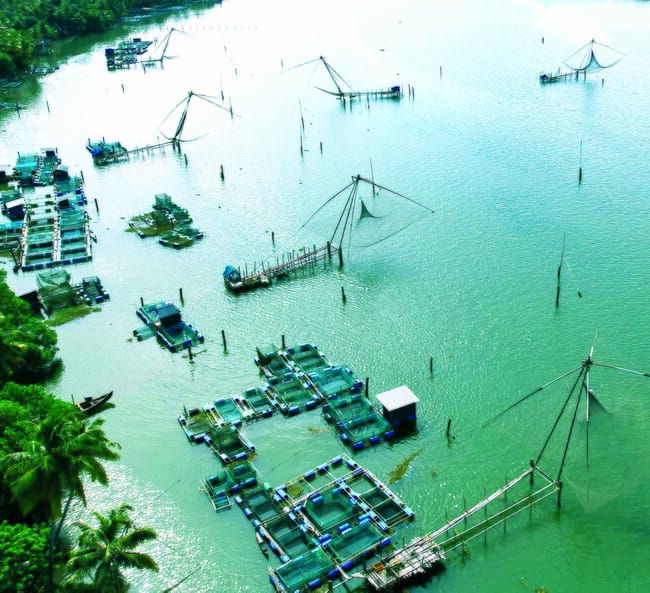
(27, 346)
(25, 23)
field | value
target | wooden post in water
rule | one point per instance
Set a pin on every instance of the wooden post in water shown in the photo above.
(273, 238)
(431, 365)
(189, 351)
(532, 474)
(580, 168)
(559, 493)
(340, 257)
(329, 250)
(141, 302)
(96, 206)
(367, 382)
(343, 295)
(221, 173)
(180, 294)
(448, 433)
(559, 271)
(284, 344)
(223, 339)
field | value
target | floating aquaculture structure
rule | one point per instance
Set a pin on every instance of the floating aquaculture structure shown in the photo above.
(163, 320)
(167, 220)
(104, 152)
(399, 406)
(56, 231)
(55, 291)
(338, 521)
(126, 53)
(91, 290)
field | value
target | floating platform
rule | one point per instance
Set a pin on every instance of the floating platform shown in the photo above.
(163, 320)
(167, 220)
(334, 518)
(221, 486)
(56, 228)
(292, 392)
(91, 290)
(104, 152)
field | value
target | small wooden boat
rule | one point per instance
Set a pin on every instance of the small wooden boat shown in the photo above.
(90, 405)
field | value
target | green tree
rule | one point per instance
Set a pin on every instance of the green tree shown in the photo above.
(52, 466)
(27, 346)
(105, 550)
(23, 558)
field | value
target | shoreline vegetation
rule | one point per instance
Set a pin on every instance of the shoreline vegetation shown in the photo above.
(28, 27)
(49, 450)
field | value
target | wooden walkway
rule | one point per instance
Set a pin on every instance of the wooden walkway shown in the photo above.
(422, 554)
(294, 262)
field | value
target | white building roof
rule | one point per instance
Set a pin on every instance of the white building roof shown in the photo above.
(397, 398)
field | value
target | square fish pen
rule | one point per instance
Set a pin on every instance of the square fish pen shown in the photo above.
(356, 420)
(354, 541)
(336, 380)
(377, 501)
(261, 503)
(290, 537)
(308, 570)
(258, 401)
(307, 357)
(223, 484)
(330, 509)
(228, 411)
(229, 444)
(291, 392)
(271, 362)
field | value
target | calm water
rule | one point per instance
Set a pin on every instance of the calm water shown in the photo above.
(496, 156)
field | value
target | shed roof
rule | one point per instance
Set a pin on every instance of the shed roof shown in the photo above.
(397, 398)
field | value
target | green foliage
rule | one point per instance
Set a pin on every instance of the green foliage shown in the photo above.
(27, 346)
(23, 558)
(105, 550)
(25, 22)
(62, 452)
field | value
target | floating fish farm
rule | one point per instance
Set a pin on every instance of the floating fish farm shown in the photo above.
(163, 320)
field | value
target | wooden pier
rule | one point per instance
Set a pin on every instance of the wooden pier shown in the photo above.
(292, 263)
(416, 559)
(422, 554)
(546, 77)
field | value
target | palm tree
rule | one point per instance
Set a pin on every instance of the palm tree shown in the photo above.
(105, 550)
(63, 451)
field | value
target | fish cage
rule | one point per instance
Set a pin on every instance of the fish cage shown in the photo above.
(292, 392)
(336, 380)
(271, 362)
(229, 444)
(356, 420)
(256, 398)
(307, 358)
(309, 569)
